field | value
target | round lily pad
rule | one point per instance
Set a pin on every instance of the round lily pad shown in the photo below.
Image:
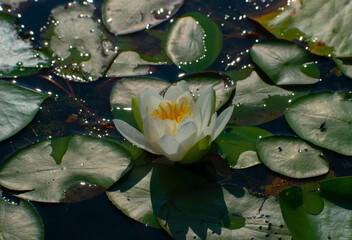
(27, 102)
(292, 157)
(45, 170)
(284, 62)
(82, 48)
(19, 220)
(238, 145)
(124, 16)
(324, 119)
(322, 24)
(193, 42)
(17, 56)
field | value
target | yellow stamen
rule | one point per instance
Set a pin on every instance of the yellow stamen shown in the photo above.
(172, 112)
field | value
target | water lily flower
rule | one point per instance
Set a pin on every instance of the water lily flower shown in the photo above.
(175, 125)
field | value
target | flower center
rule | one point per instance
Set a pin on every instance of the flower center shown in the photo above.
(172, 112)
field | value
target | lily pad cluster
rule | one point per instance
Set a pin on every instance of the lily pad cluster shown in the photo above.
(200, 200)
(78, 47)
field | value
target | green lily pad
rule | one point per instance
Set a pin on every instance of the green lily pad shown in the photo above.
(345, 65)
(322, 24)
(127, 88)
(148, 187)
(215, 212)
(222, 85)
(193, 42)
(17, 56)
(36, 173)
(238, 145)
(292, 157)
(284, 61)
(338, 191)
(132, 195)
(263, 219)
(324, 119)
(123, 16)
(129, 64)
(333, 222)
(20, 221)
(81, 46)
(257, 102)
(27, 102)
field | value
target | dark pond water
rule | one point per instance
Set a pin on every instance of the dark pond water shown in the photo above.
(97, 218)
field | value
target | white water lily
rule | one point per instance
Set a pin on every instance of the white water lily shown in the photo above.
(175, 125)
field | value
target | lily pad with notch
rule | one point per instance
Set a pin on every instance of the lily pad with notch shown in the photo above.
(292, 157)
(238, 145)
(44, 171)
(257, 101)
(285, 63)
(193, 42)
(81, 49)
(324, 119)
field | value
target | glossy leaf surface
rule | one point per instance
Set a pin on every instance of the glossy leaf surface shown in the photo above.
(321, 23)
(124, 16)
(18, 106)
(86, 160)
(285, 62)
(324, 119)
(238, 145)
(292, 157)
(19, 221)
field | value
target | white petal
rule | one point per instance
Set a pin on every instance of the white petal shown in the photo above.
(209, 130)
(186, 135)
(222, 121)
(152, 104)
(133, 136)
(171, 148)
(174, 92)
(154, 129)
(143, 100)
(195, 111)
(170, 127)
(204, 94)
(206, 110)
(185, 97)
(183, 85)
